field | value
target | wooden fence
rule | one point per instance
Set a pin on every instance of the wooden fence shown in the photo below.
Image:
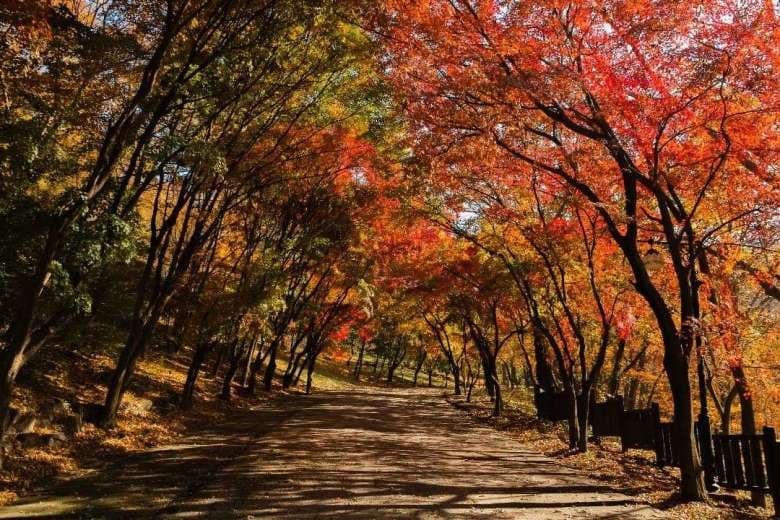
(606, 418)
(748, 462)
(665, 450)
(552, 406)
(639, 428)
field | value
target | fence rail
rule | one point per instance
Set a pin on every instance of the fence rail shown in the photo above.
(747, 462)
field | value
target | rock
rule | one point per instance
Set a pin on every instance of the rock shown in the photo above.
(24, 423)
(56, 408)
(140, 406)
(41, 440)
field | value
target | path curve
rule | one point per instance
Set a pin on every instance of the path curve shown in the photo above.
(367, 453)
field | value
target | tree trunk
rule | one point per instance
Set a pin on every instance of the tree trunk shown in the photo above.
(498, 401)
(227, 381)
(747, 420)
(289, 375)
(198, 358)
(394, 362)
(691, 471)
(390, 372)
(9, 368)
(614, 378)
(248, 365)
(310, 371)
(258, 364)
(298, 373)
(472, 380)
(635, 388)
(544, 371)
(270, 371)
(574, 421)
(725, 419)
(133, 350)
(456, 375)
(19, 336)
(220, 359)
(488, 378)
(359, 363)
(583, 415)
(420, 360)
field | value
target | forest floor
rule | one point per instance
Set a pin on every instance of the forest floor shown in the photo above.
(367, 453)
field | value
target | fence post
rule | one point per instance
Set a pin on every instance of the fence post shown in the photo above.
(772, 451)
(656, 412)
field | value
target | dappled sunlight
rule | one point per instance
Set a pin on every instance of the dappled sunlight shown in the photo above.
(373, 453)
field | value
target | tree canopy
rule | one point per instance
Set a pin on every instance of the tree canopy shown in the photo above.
(575, 196)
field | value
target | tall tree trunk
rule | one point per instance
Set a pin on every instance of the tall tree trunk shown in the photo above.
(132, 351)
(747, 420)
(583, 416)
(614, 378)
(359, 363)
(289, 374)
(574, 420)
(230, 373)
(222, 349)
(725, 419)
(310, 369)
(488, 377)
(18, 337)
(456, 379)
(258, 364)
(270, 371)
(544, 370)
(420, 360)
(248, 365)
(498, 400)
(188, 393)
(691, 471)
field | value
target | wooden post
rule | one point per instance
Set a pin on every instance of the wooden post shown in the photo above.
(772, 451)
(659, 448)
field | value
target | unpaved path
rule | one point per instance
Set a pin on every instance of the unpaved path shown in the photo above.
(369, 453)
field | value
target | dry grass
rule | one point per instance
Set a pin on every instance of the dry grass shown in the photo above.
(634, 471)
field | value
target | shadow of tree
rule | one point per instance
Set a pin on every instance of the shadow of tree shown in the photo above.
(376, 453)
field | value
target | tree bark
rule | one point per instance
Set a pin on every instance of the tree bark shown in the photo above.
(188, 393)
(747, 420)
(614, 378)
(359, 363)
(270, 371)
(420, 360)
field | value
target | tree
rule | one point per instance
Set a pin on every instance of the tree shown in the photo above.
(601, 99)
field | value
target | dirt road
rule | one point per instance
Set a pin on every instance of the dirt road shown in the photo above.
(371, 453)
